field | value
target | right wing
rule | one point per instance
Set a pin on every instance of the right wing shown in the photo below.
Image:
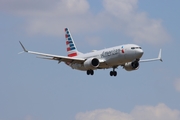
(55, 57)
(154, 59)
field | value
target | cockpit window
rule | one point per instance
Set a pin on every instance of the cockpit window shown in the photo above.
(135, 47)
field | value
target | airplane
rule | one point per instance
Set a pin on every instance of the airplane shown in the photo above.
(128, 56)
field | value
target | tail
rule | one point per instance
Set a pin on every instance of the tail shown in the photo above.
(71, 47)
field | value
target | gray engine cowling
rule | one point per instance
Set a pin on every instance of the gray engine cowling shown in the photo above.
(131, 66)
(91, 63)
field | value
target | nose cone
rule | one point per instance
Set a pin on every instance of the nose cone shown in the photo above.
(139, 53)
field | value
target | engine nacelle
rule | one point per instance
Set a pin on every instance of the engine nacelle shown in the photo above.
(91, 63)
(131, 66)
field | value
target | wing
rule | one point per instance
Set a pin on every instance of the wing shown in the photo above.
(154, 59)
(54, 57)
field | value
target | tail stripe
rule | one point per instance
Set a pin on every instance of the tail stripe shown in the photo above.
(67, 35)
(72, 54)
(71, 45)
(68, 49)
(66, 29)
(70, 42)
(72, 48)
(69, 39)
(67, 42)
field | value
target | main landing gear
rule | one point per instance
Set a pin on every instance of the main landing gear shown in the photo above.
(90, 72)
(113, 73)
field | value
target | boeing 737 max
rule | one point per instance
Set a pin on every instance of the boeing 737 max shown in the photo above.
(127, 55)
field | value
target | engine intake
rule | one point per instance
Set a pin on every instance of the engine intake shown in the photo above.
(91, 63)
(131, 66)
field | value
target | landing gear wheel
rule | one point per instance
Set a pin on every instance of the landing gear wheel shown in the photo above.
(90, 72)
(113, 73)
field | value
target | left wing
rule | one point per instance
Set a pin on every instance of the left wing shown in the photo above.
(54, 57)
(154, 59)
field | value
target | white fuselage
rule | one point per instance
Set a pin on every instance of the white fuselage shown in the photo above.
(112, 57)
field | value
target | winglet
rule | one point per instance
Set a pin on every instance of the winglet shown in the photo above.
(159, 56)
(23, 47)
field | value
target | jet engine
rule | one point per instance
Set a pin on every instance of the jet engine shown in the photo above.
(91, 63)
(131, 66)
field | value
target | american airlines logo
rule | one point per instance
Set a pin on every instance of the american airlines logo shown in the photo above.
(109, 53)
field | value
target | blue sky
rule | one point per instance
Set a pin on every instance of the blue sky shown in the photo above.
(36, 89)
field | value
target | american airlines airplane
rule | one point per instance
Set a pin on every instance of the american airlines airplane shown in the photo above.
(127, 55)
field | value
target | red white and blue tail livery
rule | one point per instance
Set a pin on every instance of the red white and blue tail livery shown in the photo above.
(128, 56)
(71, 47)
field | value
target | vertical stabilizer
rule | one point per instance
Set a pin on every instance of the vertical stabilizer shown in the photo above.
(71, 47)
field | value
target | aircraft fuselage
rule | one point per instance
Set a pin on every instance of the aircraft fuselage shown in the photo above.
(113, 56)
